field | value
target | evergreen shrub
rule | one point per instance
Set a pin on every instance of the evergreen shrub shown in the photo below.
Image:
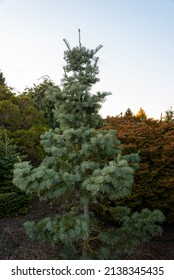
(13, 204)
(13, 201)
(153, 186)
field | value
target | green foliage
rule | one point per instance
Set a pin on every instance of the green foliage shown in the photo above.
(19, 112)
(13, 204)
(83, 165)
(9, 113)
(2, 79)
(5, 93)
(169, 115)
(13, 201)
(23, 122)
(135, 228)
(43, 100)
(28, 143)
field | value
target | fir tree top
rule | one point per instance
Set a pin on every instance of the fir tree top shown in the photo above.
(75, 105)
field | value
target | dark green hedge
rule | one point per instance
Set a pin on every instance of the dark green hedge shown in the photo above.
(13, 204)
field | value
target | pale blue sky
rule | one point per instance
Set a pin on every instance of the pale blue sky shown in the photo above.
(136, 61)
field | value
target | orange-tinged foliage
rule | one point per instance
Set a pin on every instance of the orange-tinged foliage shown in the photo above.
(141, 114)
(154, 181)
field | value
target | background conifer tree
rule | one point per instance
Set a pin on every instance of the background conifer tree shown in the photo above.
(141, 114)
(13, 201)
(169, 115)
(2, 79)
(82, 168)
(128, 113)
(5, 91)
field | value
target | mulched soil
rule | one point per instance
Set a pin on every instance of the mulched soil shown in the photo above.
(15, 245)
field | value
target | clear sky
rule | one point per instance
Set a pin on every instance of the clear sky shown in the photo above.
(136, 62)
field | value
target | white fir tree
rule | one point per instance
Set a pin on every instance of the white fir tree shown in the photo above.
(84, 167)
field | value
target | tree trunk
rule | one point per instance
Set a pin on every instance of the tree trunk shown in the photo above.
(86, 217)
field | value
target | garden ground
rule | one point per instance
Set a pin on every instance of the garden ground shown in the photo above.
(15, 245)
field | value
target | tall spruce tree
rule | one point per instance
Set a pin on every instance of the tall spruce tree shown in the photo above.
(82, 168)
